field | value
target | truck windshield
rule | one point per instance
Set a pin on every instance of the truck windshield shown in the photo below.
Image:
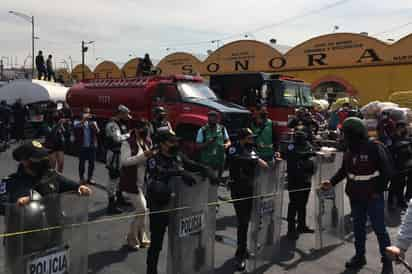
(288, 94)
(195, 91)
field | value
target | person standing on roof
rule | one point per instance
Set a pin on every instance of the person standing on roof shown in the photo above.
(41, 66)
(50, 70)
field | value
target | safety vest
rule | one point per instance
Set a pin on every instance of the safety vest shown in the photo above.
(264, 139)
(214, 154)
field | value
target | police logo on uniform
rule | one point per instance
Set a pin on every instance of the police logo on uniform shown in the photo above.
(232, 150)
(3, 188)
(37, 144)
(291, 146)
(152, 163)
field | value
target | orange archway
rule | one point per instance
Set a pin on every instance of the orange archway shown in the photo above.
(107, 70)
(78, 71)
(129, 69)
(179, 63)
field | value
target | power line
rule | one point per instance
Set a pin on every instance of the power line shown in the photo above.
(287, 20)
(393, 29)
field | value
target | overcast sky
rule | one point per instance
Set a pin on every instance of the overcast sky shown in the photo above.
(123, 27)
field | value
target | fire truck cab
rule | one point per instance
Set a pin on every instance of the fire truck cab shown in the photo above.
(280, 93)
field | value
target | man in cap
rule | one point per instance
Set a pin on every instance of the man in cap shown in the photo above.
(212, 141)
(367, 168)
(116, 133)
(159, 123)
(167, 163)
(300, 167)
(33, 167)
(243, 163)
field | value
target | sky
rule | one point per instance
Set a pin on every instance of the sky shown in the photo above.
(123, 29)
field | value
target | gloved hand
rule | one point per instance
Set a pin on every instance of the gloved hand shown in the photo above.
(188, 179)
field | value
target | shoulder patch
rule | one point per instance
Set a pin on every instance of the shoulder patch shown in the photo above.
(152, 163)
(3, 186)
(291, 147)
(232, 150)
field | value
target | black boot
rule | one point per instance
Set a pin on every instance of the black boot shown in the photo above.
(121, 200)
(292, 234)
(305, 229)
(356, 262)
(240, 264)
(112, 207)
(387, 267)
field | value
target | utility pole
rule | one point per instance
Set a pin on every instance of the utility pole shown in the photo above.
(1, 69)
(84, 50)
(32, 47)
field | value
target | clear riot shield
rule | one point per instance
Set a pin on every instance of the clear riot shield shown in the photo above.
(329, 205)
(264, 239)
(191, 228)
(49, 235)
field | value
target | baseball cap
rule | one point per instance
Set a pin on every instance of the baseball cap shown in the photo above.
(124, 109)
(30, 150)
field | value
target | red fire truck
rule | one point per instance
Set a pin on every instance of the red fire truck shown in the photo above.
(187, 100)
(282, 94)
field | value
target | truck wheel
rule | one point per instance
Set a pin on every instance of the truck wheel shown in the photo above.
(188, 135)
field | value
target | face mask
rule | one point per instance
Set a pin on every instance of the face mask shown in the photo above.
(212, 124)
(173, 150)
(40, 168)
(263, 116)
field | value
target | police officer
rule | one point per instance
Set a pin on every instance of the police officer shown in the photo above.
(33, 180)
(159, 123)
(304, 121)
(33, 166)
(367, 169)
(167, 163)
(300, 169)
(264, 129)
(401, 149)
(116, 132)
(212, 141)
(243, 162)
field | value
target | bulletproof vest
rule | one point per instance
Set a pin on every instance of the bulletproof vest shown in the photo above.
(48, 184)
(244, 164)
(109, 142)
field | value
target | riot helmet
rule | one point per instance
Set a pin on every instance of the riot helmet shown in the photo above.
(354, 132)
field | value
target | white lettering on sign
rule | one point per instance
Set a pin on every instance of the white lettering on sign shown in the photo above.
(191, 225)
(266, 206)
(103, 99)
(56, 263)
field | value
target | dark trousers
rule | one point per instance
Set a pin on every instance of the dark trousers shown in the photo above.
(41, 73)
(397, 189)
(158, 225)
(243, 211)
(297, 207)
(87, 154)
(408, 194)
(50, 75)
(19, 129)
(374, 208)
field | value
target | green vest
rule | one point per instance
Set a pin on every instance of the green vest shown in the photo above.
(213, 155)
(264, 139)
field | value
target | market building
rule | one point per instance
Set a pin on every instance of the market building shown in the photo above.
(339, 64)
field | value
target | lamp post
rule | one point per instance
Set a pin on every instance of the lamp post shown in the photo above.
(84, 50)
(29, 19)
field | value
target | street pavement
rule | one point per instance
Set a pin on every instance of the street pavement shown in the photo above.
(106, 239)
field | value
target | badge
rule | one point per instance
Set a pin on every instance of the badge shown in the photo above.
(3, 187)
(232, 150)
(291, 147)
(36, 144)
(152, 163)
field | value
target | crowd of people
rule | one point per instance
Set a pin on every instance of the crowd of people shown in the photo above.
(141, 157)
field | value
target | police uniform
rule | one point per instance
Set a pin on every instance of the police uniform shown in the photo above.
(367, 168)
(116, 133)
(300, 169)
(46, 183)
(243, 161)
(307, 124)
(160, 169)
